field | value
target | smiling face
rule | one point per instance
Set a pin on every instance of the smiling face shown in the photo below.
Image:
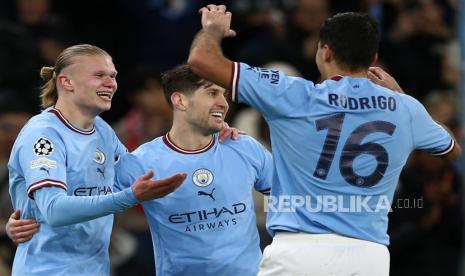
(207, 108)
(92, 79)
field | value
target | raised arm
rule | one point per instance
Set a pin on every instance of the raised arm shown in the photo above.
(206, 57)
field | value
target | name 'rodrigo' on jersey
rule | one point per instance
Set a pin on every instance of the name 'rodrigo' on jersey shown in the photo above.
(338, 147)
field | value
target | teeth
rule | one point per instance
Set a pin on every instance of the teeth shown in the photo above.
(105, 94)
(217, 114)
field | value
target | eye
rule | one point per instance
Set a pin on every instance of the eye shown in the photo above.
(212, 93)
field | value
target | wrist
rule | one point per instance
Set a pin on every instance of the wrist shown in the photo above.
(214, 32)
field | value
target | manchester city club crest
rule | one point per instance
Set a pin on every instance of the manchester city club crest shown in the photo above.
(99, 157)
(202, 177)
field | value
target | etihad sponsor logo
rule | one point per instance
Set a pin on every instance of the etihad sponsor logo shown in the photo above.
(203, 215)
(211, 225)
(92, 191)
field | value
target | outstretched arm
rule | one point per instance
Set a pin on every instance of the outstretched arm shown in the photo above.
(58, 209)
(206, 57)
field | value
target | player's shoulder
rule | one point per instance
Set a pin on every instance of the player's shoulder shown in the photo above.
(243, 141)
(40, 124)
(102, 125)
(151, 148)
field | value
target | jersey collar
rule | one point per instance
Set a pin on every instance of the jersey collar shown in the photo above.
(336, 78)
(172, 145)
(69, 125)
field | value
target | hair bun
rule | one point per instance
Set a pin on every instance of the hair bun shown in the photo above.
(46, 73)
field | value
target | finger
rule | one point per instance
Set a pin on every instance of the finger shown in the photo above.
(175, 179)
(26, 234)
(222, 8)
(212, 7)
(16, 214)
(25, 228)
(376, 72)
(202, 10)
(148, 175)
(22, 223)
(241, 132)
(231, 33)
(235, 134)
(224, 134)
(373, 78)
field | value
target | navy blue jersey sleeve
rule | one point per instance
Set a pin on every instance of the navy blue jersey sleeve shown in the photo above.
(269, 91)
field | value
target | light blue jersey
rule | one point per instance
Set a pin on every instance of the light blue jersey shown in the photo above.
(207, 226)
(62, 176)
(338, 148)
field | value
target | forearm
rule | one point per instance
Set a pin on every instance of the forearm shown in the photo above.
(207, 60)
(59, 209)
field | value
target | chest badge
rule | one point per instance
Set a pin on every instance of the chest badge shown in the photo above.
(99, 156)
(202, 177)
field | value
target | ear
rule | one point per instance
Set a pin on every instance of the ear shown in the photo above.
(179, 101)
(327, 53)
(65, 83)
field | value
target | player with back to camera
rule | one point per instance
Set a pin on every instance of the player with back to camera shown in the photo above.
(343, 142)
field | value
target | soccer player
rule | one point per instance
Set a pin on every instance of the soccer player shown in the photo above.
(61, 170)
(338, 146)
(208, 226)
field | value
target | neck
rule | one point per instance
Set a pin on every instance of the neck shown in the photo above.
(75, 116)
(187, 137)
(336, 71)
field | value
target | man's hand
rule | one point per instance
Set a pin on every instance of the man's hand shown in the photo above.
(217, 19)
(20, 231)
(145, 188)
(227, 131)
(380, 77)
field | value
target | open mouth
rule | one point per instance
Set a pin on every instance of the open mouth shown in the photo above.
(105, 95)
(218, 115)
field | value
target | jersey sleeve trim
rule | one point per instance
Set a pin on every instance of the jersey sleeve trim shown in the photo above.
(447, 150)
(45, 183)
(234, 81)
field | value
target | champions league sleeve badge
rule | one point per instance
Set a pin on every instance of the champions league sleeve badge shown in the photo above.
(43, 147)
(202, 177)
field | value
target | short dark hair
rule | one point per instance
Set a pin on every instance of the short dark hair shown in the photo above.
(180, 79)
(353, 37)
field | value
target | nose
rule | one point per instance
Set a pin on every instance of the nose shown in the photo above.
(110, 82)
(222, 102)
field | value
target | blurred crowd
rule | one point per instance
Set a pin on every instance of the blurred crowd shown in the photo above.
(419, 48)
